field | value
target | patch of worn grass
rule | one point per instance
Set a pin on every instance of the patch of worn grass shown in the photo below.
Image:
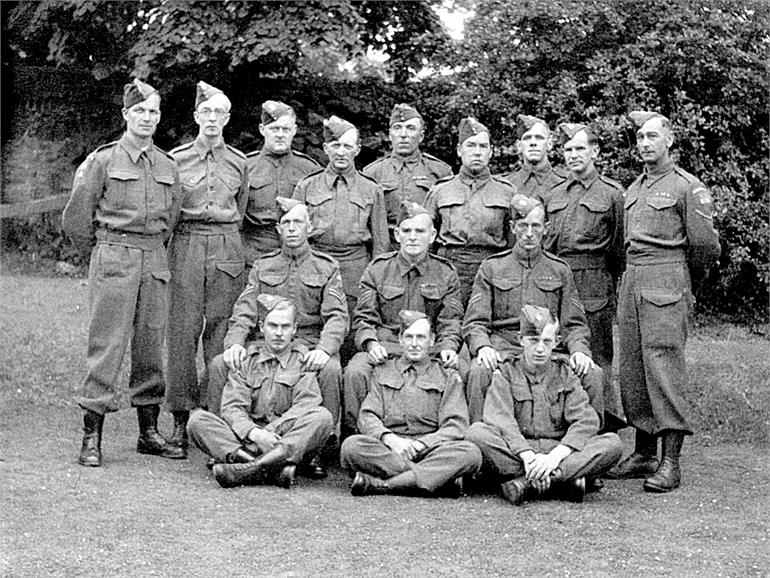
(145, 516)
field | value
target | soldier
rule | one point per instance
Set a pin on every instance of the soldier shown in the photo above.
(411, 278)
(309, 278)
(539, 430)
(407, 173)
(585, 213)
(205, 256)
(471, 211)
(347, 209)
(412, 422)
(273, 171)
(536, 176)
(670, 246)
(504, 283)
(272, 417)
(126, 199)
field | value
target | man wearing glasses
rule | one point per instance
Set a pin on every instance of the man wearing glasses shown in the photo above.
(205, 256)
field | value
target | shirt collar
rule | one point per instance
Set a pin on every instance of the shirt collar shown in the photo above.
(468, 177)
(527, 259)
(331, 175)
(399, 161)
(586, 179)
(297, 254)
(404, 364)
(202, 148)
(264, 354)
(659, 170)
(274, 158)
(405, 265)
(134, 152)
(538, 171)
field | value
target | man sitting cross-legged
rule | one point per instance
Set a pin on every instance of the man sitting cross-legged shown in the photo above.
(539, 430)
(412, 422)
(272, 417)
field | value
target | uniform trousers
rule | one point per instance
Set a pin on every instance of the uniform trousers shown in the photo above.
(206, 279)
(301, 437)
(600, 453)
(128, 301)
(433, 467)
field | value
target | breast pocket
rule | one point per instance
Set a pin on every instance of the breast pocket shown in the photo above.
(320, 207)
(312, 286)
(556, 399)
(159, 202)
(194, 188)
(362, 208)
(270, 281)
(124, 190)
(663, 220)
(449, 206)
(432, 296)
(391, 301)
(594, 219)
(506, 297)
(548, 293)
(261, 197)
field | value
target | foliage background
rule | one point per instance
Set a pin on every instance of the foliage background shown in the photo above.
(702, 63)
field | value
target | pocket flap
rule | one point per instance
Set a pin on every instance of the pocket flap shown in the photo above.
(288, 377)
(506, 283)
(318, 197)
(391, 291)
(520, 391)
(449, 198)
(557, 205)
(661, 297)
(496, 199)
(164, 178)
(430, 291)
(596, 204)
(548, 284)
(360, 200)
(389, 185)
(630, 200)
(272, 278)
(230, 181)
(660, 203)
(232, 268)
(594, 305)
(431, 385)
(259, 181)
(122, 175)
(164, 276)
(311, 280)
(391, 380)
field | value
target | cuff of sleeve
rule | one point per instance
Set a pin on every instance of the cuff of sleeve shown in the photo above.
(576, 443)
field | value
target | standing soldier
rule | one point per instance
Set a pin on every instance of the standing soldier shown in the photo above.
(586, 230)
(411, 278)
(670, 246)
(536, 176)
(407, 173)
(471, 210)
(274, 171)
(126, 199)
(347, 209)
(205, 255)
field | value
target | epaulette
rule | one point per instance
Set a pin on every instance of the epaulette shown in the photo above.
(443, 180)
(368, 178)
(691, 179)
(160, 150)
(383, 257)
(300, 348)
(501, 254)
(503, 181)
(254, 153)
(436, 159)
(273, 253)
(305, 156)
(560, 171)
(314, 173)
(555, 258)
(441, 259)
(181, 147)
(613, 183)
(324, 256)
(105, 146)
(372, 164)
(236, 152)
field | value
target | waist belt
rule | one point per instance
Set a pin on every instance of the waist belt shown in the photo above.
(203, 228)
(136, 240)
(657, 258)
(470, 254)
(345, 252)
(585, 261)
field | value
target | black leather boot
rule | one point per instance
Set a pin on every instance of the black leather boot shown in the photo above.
(91, 450)
(668, 476)
(178, 442)
(150, 441)
(517, 490)
(641, 463)
(256, 472)
(366, 485)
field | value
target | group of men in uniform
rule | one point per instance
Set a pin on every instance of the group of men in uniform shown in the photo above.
(447, 326)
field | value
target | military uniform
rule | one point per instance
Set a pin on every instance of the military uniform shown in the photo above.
(270, 176)
(420, 401)
(537, 182)
(405, 179)
(348, 215)
(525, 412)
(586, 216)
(206, 262)
(312, 281)
(471, 213)
(268, 392)
(126, 200)
(504, 284)
(389, 284)
(670, 241)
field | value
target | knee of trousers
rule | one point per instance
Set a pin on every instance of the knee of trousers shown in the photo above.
(350, 449)
(331, 373)
(479, 377)
(320, 418)
(469, 453)
(480, 434)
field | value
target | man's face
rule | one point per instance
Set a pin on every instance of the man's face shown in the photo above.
(212, 115)
(279, 134)
(530, 230)
(279, 328)
(343, 151)
(475, 152)
(579, 154)
(415, 235)
(537, 349)
(142, 118)
(406, 136)
(533, 146)
(294, 227)
(653, 140)
(416, 340)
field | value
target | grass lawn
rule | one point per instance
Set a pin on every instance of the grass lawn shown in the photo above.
(145, 516)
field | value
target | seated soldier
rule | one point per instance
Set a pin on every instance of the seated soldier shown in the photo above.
(411, 278)
(412, 422)
(272, 417)
(538, 431)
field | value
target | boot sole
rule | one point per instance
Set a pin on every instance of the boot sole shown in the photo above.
(656, 489)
